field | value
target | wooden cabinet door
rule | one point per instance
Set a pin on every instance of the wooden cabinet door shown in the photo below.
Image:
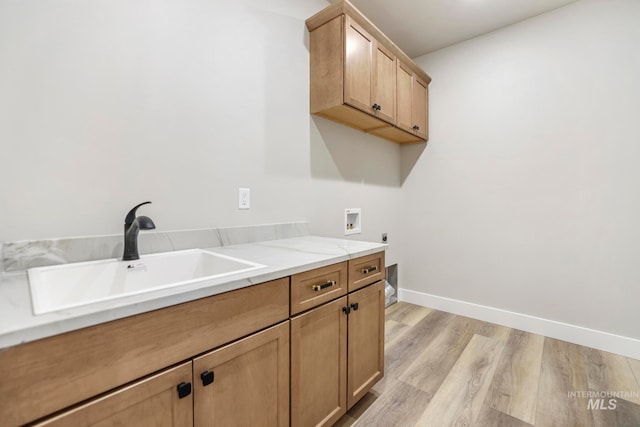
(366, 341)
(384, 83)
(151, 402)
(419, 107)
(245, 383)
(358, 66)
(318, 365)
(412, 99)
(404, 91)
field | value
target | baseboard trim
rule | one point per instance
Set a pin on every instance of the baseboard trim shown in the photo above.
(625, 346)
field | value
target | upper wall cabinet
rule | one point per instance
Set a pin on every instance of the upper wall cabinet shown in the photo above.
(362, 79)
(370, 74)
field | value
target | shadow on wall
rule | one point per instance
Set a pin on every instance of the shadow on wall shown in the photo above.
(409, 155)
(341, 153)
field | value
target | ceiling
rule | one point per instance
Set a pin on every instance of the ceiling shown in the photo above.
(422, 26)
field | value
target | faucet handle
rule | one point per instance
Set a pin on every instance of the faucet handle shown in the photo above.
(131, 216)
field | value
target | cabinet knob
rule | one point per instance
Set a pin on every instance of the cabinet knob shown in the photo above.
(375, 106)
(346, 310)
(184, 390)
(207, 378)
(416, 128)
(354, 306)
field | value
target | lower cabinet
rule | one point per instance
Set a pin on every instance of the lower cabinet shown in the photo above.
(296, 351)
(151, 402)
(44, 377)
(337, 355)
(245, 383)
(319, 365)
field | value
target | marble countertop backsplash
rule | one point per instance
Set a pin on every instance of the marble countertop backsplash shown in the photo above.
(18, 256)
(284, 249)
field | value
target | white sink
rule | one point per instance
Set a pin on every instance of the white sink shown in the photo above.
(72, 285)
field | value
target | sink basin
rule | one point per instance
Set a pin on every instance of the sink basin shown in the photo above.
(72, 285)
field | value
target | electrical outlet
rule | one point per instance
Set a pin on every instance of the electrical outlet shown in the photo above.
(244, 198)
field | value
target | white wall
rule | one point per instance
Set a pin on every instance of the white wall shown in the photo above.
(527, 197)
(107, 103)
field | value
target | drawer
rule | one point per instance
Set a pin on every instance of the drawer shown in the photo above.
(315, 287)
(366, 270)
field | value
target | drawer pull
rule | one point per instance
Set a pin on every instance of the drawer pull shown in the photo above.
(370, 269)
(322, 286)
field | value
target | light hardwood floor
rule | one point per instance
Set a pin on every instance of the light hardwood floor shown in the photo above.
(447, 370)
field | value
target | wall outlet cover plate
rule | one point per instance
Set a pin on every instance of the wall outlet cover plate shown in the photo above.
(244, 198)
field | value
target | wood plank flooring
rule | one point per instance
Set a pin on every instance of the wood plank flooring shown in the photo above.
(447, 370)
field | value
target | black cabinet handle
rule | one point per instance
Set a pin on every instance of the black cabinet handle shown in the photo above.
(207, 378)
(325, 285)
(184, 390)
(354, 306)
(375, 106)
(370, 269)
(346, 310)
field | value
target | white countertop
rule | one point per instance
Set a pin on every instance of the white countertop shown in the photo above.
(282, 258)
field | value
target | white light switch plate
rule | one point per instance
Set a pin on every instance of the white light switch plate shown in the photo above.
(244, 198)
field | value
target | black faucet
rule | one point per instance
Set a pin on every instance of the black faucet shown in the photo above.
(132, 226)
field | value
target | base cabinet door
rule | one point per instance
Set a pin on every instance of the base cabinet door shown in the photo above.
(318, 365)
(366, 341)
(245, 383)
(152, 402)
